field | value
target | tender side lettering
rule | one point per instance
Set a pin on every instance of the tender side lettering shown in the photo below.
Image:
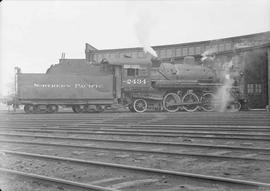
(37, 85)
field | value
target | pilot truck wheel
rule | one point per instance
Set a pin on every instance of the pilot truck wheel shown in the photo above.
(140, 105)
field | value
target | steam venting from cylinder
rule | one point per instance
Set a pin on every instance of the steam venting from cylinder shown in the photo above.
(223, 94)
(222, 97)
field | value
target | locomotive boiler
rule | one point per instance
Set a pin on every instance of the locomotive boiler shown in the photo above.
(139, 84)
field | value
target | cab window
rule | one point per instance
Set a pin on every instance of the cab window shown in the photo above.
(132, 72)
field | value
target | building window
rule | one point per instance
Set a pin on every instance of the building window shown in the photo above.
(163, 53)
(221, 47)
(214, 48)
(228, 46)
(250, 88)
(178, 52)
(191, 51)
(116, 55)
(169, 53)
(198, 50)
(184, 51)
(140, 54)
(258, 88)
(202, 49)
(134, 54)
(254, 89)
(128, 54)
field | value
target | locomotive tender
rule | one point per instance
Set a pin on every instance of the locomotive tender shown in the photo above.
(139, 84)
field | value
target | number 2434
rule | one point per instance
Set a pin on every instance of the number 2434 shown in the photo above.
(136, 81)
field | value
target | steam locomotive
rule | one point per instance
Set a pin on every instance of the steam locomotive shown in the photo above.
(139, 84)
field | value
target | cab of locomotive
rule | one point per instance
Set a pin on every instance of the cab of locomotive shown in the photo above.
(135, 76)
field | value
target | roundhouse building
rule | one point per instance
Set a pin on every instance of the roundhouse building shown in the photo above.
(252, 53)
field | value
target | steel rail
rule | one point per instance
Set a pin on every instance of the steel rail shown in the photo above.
(135, 150)
(166, 131)
(101, 132)
(139, 130)
(56, 180)
(161, 135)
(146, 170)
(130, 123)
(164, 135)
(105, 123)
(180, 129)
(142, 127)
(239, 120)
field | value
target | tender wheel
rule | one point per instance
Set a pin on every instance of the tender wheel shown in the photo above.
(99, 108)
(52, 108)
(234, 106)
(192, 99)
(140, 105)
(170, 102)
(207, 102)
(89, 108)
(29, 108)
(77, 109)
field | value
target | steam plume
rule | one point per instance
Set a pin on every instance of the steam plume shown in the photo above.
(208, 54)
(223, 94)
(143, 27)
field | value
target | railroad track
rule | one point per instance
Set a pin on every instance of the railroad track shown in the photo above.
(242, 118)
(175, 144)
(151, 176)
(126, 155)
(196, 136)
(140, 147)
(138, 150)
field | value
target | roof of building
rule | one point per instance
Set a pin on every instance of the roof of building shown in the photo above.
(129, 61)
(241, 41)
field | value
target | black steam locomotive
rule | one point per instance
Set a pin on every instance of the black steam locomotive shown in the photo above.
(139, 84)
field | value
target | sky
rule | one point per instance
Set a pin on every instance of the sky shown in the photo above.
(33, 34)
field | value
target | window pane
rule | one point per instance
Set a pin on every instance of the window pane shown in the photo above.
(162, 53)
(184, 51)
(228, 46)
(130, 72)
(169, 53)
(198, 50)
(134, 55)
(221, 47)
(178, 52)
(191, 51)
